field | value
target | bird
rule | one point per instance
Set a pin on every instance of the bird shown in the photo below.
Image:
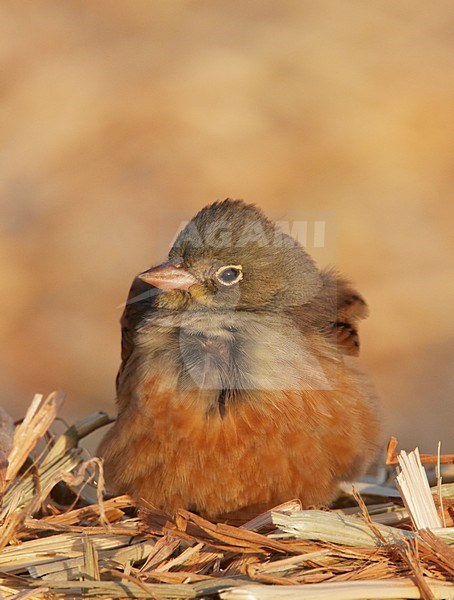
(239, 387)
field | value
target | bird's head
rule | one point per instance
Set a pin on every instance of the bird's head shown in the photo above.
(230, 256)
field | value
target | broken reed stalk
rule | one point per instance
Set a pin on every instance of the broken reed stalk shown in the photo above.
(415, 491)
(354, 590)
(392, 457)
(37, 421)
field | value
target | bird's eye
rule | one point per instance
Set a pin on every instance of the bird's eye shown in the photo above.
(230, 274)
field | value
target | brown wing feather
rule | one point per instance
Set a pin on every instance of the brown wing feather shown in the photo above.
(138, 305)
(337, 310)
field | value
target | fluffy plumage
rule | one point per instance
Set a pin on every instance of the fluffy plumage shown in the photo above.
(239, 393)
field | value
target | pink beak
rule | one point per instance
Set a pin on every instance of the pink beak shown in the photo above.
(169, 276)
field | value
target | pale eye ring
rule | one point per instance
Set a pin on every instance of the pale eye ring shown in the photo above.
(229, 274)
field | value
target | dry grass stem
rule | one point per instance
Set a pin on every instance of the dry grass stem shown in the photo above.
(415, 491)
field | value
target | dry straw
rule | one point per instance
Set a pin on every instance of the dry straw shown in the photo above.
(60, 537)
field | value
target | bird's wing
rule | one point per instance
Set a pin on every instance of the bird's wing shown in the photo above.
(337, 309)
(351, 308)
(138, 305)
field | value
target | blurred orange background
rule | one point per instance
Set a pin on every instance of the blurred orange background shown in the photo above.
(119, 119)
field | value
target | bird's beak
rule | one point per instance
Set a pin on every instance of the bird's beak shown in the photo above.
(169, 276)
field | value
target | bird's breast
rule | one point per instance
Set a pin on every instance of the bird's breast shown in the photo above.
(214, 369)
